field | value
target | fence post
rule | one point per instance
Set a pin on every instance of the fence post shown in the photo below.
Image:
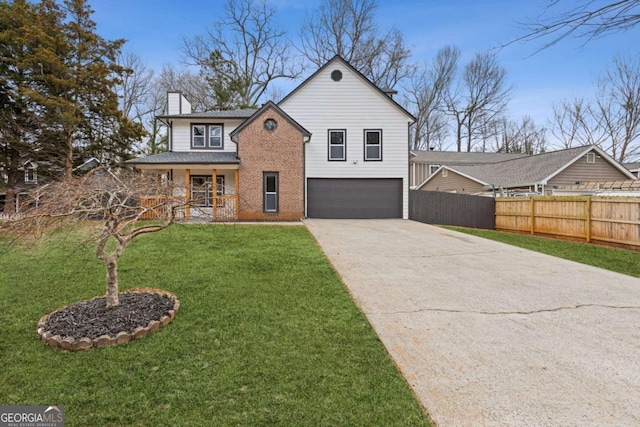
(533, 215)
(588, 225)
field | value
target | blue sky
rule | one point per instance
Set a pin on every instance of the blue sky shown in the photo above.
(155, 29)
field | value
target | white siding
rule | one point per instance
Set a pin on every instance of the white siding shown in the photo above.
(182, 133)
(173, 103)
(185, 105)
(351, 104)
(177, 104)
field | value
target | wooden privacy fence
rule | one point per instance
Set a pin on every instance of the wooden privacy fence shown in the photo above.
(592, 219)
(462, 210)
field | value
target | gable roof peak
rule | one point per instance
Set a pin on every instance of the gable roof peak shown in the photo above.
(364, 78)
(267, 106)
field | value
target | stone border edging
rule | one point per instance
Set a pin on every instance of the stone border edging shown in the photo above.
(71, 344)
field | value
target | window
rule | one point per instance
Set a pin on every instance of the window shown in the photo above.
(202, 193)
(373, 145)
(31, 176)
(433, 169)
(215, 136)
(207, 136)
(201, 190)
(197, 136)
(445, 173)
(591, 157)
(338, 145)
(270, 192)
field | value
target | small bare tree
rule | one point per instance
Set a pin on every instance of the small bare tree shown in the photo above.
(617, 109)
(424, 95)
(480, 97)
(510, 136)
(348, 28)
(118, 201)
(242, 54)
(572, 123)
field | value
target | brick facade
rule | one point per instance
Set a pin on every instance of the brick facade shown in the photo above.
(280, 150)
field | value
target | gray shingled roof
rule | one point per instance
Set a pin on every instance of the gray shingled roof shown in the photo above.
(460, 158)
(632, 166)
(208, 157)
(524, 170)
(226, 114)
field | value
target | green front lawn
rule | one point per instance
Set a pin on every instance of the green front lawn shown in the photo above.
(620, 260)
(266, 334)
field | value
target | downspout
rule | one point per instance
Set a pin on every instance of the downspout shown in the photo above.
(170, 144)
(304, 175)
(408, 183)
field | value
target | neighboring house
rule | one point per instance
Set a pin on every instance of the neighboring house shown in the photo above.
(335, 147)
(26, 179)
(540, 173)
(87, 165)
(627, 188)
(425, 163)
(634, 168)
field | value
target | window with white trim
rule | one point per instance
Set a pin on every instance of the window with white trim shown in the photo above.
(31, 176)
(337, 144)
(373, 145)
(591, 157)
(271, 190)
(445, 173)
(207, 136)
(433, 169)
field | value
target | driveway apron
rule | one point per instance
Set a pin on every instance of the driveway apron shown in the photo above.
(488, 334)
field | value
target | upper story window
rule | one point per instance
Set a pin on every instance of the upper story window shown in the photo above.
(206, 136)
(591, 157)
(433, 169)
(373, 145)
(337, 144)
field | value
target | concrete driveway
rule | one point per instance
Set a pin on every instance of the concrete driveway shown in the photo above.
(492, 335)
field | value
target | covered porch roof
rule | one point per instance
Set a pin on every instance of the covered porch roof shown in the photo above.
(180, 160)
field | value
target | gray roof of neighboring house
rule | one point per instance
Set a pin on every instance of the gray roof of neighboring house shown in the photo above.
(524, 170)
(632, 166)
(460, 158)
(208, 157)
(224, 114)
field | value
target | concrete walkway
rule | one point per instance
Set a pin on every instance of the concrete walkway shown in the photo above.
(492, 335)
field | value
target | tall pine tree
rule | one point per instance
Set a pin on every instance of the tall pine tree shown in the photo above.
(18, 113)
(77, 90)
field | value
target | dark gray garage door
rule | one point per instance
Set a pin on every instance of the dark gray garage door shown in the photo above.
(354, 198)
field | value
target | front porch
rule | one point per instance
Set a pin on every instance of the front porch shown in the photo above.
(204, 200)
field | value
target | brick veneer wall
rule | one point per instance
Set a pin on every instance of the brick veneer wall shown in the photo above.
(282, 151)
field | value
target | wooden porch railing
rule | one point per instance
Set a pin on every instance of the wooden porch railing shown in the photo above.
(223, 208)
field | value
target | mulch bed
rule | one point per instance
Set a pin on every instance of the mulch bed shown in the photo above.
(91, 319)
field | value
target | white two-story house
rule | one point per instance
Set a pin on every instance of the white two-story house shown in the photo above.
(337, 146)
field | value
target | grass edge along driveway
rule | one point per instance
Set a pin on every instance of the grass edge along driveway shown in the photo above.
(623, 261)
(266, 334)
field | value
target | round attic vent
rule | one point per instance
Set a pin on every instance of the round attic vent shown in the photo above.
(336, 75)
(270, 125)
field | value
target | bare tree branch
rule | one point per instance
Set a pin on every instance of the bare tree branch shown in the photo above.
(348, 28)
(242, 54)
(587, 19)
